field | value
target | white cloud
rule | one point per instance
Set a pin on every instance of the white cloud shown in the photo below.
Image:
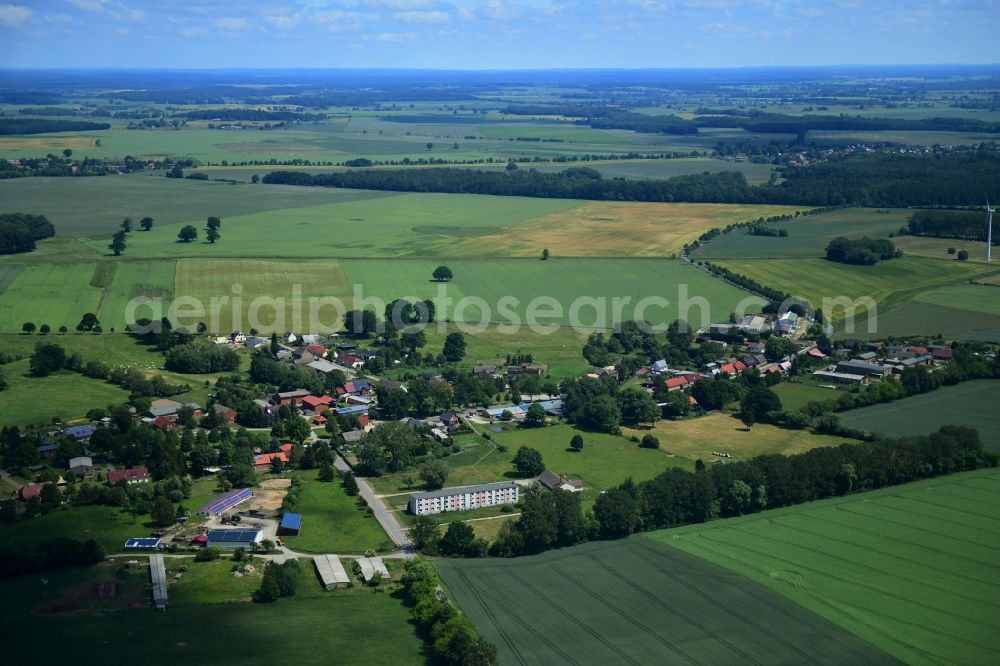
(425, 17)
(393, 37)
(339, 21)
(283, 21)
(231, 23)
(88, 5)
(497, 10)
(398, 5)
(13, 15)
(136, 14)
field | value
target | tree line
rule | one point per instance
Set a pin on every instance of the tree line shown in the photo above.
(20, 231)
(11, 125)
(554, 519)
(964, 225)
(956, 178)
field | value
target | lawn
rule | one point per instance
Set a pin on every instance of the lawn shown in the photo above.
(67, 395)
(911, 569)
(693, 438)
(604, 462)
(332, 521)
(796, 394)
(972, 404)
(211, 582)
(615, 229)
(639, 602)
(807, 237)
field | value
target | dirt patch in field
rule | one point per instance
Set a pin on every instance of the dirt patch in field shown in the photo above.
(270, 494)
(615, 229)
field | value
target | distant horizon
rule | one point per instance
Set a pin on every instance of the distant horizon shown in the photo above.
(391, 68)
(492, 35)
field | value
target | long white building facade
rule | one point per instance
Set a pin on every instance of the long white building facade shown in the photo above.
(463, 499)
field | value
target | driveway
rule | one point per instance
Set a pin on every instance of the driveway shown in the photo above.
(381, 511)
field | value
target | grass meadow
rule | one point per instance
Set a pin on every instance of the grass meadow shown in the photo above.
(332, 521)
(910, 569)
(65, 395)
(638, 602)
(971, 404)
(207, 620)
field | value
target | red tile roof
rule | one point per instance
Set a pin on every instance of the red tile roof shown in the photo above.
(266, 458)
(318, 350)
(675, 382)
(131, 474)
(29, 491)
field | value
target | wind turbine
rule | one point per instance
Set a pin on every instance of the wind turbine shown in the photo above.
(989, 231)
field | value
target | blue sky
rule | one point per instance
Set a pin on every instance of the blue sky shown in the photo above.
(495, 34)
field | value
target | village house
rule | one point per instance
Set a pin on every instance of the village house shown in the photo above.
(554, 481)
(226, 414)
(129, 476)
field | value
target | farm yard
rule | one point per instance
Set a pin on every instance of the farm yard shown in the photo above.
(909, 569)
(637, 601)
(972, 404)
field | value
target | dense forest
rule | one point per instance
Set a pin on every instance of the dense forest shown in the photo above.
(966, 225)
(948, 179)
(602, 117)
(18, 232)
(45, 125)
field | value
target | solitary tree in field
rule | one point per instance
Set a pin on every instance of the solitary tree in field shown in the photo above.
(44, 330)
(213, 223)
(28, 327)
(126, 224)
(88, 322)
(963, 255)
(68, 153)
(213, 235)
(63, 329)
(576, 443)
(187, 234)
(545, 254)
(255, 179)
(146, 223)
(442, 274)
(430, 146)
(117, 245)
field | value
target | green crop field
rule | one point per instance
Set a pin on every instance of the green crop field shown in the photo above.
(972, 404)
(567, 133)
(96, 206)
(561, 279)
(53, 294)
(915, 318)
(807, 237)
(888, 283)
(382, 226)
(332, 521)
(639, 602)
(906, 137)
(910, 569)
(972, 297)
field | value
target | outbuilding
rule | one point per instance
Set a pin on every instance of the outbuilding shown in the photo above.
(290, 524)
(234, 538)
